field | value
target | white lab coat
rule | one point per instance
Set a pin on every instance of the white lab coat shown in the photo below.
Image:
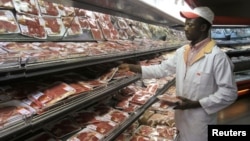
(209, 80)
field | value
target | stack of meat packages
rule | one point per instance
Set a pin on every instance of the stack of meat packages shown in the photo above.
(20, 102)
(155, 124)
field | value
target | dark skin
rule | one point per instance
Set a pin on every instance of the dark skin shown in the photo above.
(196, 30)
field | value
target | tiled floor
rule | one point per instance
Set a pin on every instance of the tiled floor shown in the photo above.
(237, 113)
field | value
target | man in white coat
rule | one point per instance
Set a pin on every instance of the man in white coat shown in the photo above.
(204, 77)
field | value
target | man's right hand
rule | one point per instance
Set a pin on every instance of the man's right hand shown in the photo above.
(123, 67)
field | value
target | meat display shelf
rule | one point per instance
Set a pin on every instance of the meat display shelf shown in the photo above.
(36, 69)
(137, 114)
(241, 65)
(237, 53)
(63, 109)
(233, 42)
(128, 9)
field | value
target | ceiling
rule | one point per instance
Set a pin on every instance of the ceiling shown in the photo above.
(227, 12)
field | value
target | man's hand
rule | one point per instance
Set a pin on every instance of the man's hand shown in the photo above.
(129, 67)
(123, 68)
(186, 104)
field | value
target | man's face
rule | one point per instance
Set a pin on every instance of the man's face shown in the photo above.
(192, 29)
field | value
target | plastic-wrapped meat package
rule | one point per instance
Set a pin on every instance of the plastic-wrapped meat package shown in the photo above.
(9, 59)
(51, 94)
(101, 109)
(13, 47)
(66, 10)
(80, 12)
(31, 25)
(152, 88)
(43, 136)
(86, 135)
(132, 128)
(158, 119)
(72, 25)
(6, 4)
(62, 128)
(54, 26)
(159, 106)
(120, 75)
(17, 91)
(123, 103)
(48, 8)
(77, 49)
(117, 116)
(84, 22)
(79, 87)
(84, 117)
(102, 126)
(131, 108)
(166, 132)
(145, 130)
(140, 98)
(93, 83)
(26, 6)
(107, 76)
(170, 100)
(122, 137)
(139, 138)
(8, 23)
(14, 111)
(95, 29)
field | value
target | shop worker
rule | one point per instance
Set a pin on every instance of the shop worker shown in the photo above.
(205, 80)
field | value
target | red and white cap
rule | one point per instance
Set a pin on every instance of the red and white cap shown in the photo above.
(203, 12)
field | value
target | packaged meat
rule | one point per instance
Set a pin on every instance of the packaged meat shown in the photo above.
(54, 26)
(26, 6)
(132, 128)
(123, 137)
(31, 26)
(8, 23)
(97, 34)
(166, 131)
(170, 100)
(43, 136)
(51, 94)
(107, 76)
(66, 11)
(63, 127)
(84, 22)
(145, 116)
(7, 4)
(139, 138)
(117, 116)
(140, 99)
(86, 135)
(13, 111)
(84, 117)
(147, 131)
(72, 25)
(158, 119)
(160, 106)
(102, 126)
(8, 60)
(48, 8)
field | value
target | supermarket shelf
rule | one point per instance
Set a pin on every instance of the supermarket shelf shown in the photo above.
(63, 109)
(36, 69)
(242, 65)
(127, 9)
(237, 53)
(233, 42)
(137, 114)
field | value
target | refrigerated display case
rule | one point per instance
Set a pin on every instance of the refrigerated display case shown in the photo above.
(30, 67)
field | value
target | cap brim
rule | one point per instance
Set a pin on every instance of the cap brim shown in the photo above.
(189, 15)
